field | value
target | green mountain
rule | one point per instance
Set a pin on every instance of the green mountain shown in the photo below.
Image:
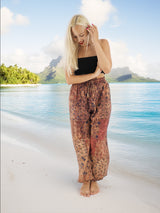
(126, 75)
(54, 73)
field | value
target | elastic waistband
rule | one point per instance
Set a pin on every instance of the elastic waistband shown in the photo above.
(90, 82)
(95, 80)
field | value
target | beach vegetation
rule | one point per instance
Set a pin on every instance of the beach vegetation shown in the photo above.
(17, 75)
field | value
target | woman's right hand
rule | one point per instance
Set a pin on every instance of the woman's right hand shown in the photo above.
(97, 72)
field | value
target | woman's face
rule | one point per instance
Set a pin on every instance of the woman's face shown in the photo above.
(80, 35)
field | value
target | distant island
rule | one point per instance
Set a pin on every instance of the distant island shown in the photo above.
(54, 73)
(14, 75)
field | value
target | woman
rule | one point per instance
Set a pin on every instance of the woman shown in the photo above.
(88, 59)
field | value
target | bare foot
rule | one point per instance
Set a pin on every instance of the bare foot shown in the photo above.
(85, 189)
(94, 187)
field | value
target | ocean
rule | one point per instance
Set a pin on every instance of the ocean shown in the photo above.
(134, 127)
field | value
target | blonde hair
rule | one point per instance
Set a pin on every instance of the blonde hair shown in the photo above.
(71, 47)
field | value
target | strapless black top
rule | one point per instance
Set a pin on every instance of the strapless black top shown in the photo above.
(87, 65)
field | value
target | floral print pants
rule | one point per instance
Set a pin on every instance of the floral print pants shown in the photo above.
(90, 109)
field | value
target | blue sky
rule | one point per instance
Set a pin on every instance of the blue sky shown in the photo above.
(36, 36)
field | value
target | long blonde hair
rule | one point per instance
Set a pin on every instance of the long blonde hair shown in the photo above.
(71, 47)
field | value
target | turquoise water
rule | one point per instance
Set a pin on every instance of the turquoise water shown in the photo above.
(134, 128)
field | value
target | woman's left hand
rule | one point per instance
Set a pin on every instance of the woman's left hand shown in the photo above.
(93, 32)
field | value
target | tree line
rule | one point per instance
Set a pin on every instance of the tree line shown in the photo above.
(17, 75)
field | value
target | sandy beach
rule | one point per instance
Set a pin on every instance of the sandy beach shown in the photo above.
(19, 85)
(39, 174)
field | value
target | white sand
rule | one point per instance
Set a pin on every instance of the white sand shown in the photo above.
(19, 85)
(39, 175)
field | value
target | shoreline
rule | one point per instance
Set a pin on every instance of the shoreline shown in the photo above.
(18, 85)
(36, 85)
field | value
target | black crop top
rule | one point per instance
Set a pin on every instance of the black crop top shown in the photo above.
(86, 65)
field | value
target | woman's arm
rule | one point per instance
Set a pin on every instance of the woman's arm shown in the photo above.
(102, 49)
(103, 54)
(76, 79)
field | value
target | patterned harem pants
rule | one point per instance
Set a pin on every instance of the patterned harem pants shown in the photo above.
(90, 109)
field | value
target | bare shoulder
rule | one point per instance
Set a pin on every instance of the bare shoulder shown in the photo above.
(106, 48)
(104, 43)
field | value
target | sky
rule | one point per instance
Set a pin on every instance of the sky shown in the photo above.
(33, 31)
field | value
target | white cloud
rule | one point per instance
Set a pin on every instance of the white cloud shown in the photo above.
(97, 11)
(38, 61)
(8, 19)
(116, 22)
(121, 58)
(153, 70)
(55, 48)
(21, 20)
(119, 53)
(35, 63)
